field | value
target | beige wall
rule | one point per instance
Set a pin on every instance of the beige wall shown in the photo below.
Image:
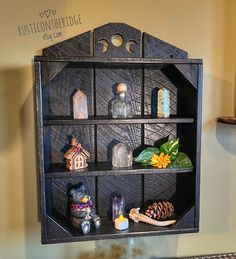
(204, 28)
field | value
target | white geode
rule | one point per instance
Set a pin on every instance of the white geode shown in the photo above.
(122, 155)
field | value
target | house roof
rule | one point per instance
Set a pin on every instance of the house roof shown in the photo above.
(73, 151)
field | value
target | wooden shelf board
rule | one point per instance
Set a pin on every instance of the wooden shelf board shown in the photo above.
(120, 61)
(106, 169)
(107, 230)
(227, 120)
(103, 120)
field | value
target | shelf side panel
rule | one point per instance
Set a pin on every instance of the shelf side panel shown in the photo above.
(189, 72)
(187, 220)
(58, 94)
(49, 71)
(54, 231)
(129, 186)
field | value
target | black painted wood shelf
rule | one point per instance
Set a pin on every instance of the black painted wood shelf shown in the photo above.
(106, 169)
(102, 120)
(119, 61)
(145, 66)
(108, 231)
(227, 120)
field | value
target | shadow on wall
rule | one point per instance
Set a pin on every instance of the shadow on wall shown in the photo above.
(218, 142)
(18, 142)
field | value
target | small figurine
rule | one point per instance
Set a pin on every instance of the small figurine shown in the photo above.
(82, 211)
(80, 107)
(122, 155)
(163, 103)
(136, 217)
(118, 205)
(121, 107)
(76, 156)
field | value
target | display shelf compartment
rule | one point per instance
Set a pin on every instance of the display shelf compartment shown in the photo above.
(103, 120)
(107, 230)
(106, 168)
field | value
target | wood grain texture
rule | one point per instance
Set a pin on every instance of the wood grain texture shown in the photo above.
(55, 230)
(187, 94)
(119, 62)
(190, 72)
(156, 48)
(80, 45)
(187, 219)
(60, 189)
(154, 79)
(129, 186)
(60, 138)
(58, 94)
(154, 133)
(109, 136)
(106, 83)
(127, 32)
(158, 186)
(50, 71)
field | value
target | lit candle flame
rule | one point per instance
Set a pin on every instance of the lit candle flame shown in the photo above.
(121, 218)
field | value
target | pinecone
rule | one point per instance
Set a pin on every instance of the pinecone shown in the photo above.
(160, 210)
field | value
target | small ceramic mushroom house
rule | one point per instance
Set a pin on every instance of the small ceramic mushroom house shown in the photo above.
(76, 156)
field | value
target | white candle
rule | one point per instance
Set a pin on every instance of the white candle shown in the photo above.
(121, 223)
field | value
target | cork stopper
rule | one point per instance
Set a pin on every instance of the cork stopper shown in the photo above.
(121, 87)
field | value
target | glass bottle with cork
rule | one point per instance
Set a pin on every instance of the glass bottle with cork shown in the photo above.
(121, 107)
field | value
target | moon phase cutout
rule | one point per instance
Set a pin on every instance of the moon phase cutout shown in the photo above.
(103, 45)
(131, 45)
(117, 40)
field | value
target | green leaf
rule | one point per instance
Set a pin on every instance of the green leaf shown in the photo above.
(182, 161)
(146, 155)
(171, 148)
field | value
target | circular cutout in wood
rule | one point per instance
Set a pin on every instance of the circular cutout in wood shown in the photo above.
(131, 45)
(103, 45)
(117, 40)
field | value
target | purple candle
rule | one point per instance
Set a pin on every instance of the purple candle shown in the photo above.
(118, 206)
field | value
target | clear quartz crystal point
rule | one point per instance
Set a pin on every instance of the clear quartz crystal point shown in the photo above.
(121, 107)
(122, 155)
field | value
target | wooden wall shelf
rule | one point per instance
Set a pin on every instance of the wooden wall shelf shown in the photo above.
(227, 120)
(81, 63)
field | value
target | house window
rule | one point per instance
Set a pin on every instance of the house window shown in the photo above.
(78, 162)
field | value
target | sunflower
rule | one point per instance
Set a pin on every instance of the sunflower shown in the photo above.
(160, 161)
